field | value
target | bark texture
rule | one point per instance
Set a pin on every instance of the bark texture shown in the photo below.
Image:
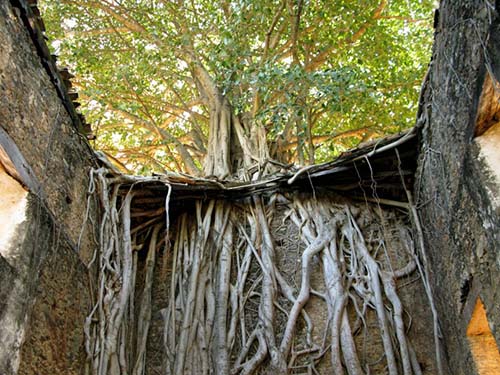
(453, 185)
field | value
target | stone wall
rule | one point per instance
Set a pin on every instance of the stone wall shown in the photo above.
(45, 302)
(455, 190)
(35, 119)
(44, 285)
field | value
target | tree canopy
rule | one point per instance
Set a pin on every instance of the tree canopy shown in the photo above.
(241, 87)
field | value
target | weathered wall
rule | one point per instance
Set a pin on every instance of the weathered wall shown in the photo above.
(54, 342)
(453, 186)
(45, 300)
(44, 293)
(32, 115)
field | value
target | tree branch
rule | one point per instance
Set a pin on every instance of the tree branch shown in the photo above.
(323, 56)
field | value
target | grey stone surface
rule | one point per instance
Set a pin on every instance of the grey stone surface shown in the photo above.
(33, 116)
(44, 289)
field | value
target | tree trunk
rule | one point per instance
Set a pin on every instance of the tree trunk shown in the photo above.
(460, 226)
(218, 161)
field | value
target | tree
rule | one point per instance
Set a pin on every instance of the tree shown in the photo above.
(236, 90)
(240, 88)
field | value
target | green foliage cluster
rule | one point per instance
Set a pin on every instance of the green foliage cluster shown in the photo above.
(319, 75)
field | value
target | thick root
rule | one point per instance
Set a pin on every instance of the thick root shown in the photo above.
(231, 308)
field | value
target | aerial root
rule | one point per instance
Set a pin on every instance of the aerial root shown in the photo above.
(227, 293)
